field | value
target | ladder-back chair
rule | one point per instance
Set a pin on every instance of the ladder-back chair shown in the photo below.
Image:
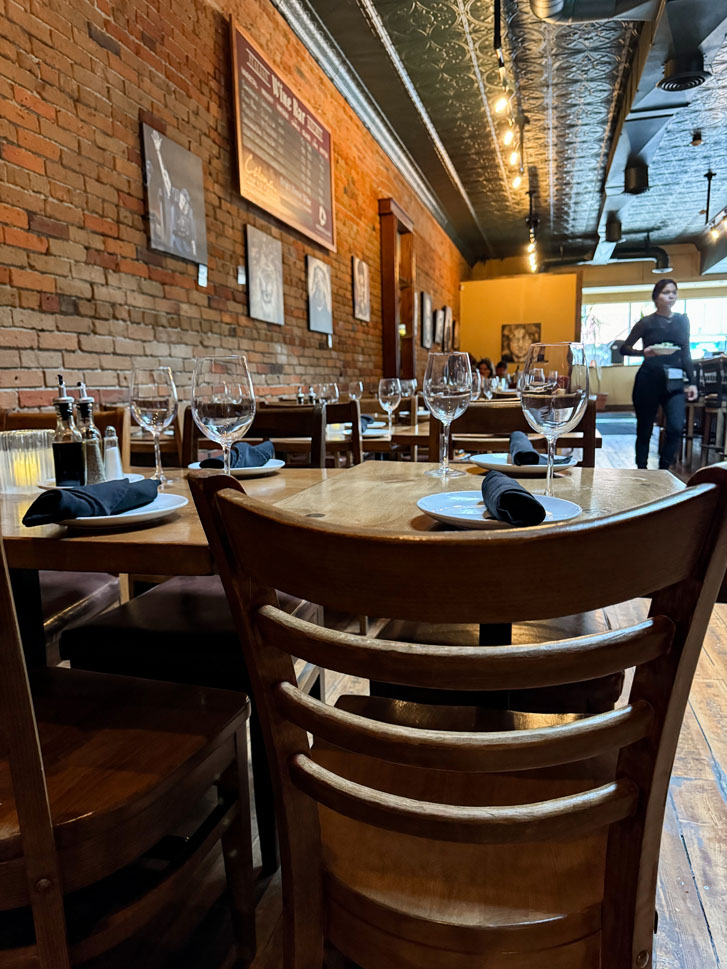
(429, 837)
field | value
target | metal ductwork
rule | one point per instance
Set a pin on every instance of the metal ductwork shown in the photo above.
(684, 71)
(592, 11)
(631, 253)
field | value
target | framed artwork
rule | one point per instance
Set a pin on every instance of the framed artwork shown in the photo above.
(447, 337)
(320, 303)
(439, 326)
(174, 197)
(455, 335)
(264, 276)
(361, 290)
(516, 340)
(427, 322)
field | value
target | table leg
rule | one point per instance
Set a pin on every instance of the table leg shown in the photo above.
(29, 608)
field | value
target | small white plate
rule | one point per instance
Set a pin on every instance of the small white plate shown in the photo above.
(466, 509)
(163, 505)
(662, 350)
(375, 431)
(501, 462)
(50, 484)
(506, 393)
(272, 466)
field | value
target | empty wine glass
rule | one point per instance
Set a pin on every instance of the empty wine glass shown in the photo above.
(408, 387)
(153, 401)
(488, 386)
(447, 389)
(355, 390)
(554, 392)
(390, 396)
(476, 385)
(223, 401)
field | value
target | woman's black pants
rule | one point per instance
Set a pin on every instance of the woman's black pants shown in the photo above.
(650, 391)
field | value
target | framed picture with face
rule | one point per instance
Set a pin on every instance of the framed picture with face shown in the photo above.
(516, 340)
(361, 290)
(439, 326)
(264, 276)
(427, 322)
(320, 302)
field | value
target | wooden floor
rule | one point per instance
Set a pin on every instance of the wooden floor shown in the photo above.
(692, 894)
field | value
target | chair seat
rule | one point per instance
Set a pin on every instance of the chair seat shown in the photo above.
(460, 905)
(69, 597)
(116, 751)
(591, 696)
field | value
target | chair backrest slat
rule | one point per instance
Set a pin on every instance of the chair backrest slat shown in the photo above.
(467, 668)
(469, 751)
(466, 824)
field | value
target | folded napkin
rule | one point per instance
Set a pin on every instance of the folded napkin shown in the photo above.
(243, 455)
(366, 420)
(522, 452)
(508, 501)
(107, 498)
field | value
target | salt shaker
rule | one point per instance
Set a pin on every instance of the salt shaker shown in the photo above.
(112, 455)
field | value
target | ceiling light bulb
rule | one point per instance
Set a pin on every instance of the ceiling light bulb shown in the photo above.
(514, 158)
(531, 248)
(508, 137)
(714, 232)
(517, 181)
(501, 105)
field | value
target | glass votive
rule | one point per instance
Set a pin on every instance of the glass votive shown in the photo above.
(26, 457)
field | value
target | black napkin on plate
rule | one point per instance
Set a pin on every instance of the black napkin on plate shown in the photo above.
(508, 501)
(523, 453)
(89, 501)
(243, 455)
(366, 420)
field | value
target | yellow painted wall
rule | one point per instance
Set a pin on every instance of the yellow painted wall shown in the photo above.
(549, 299)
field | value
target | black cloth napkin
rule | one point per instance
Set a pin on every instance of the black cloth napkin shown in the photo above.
(508, 501)
(366, 420)
(243, 455)
(522, 452)
(107, 498)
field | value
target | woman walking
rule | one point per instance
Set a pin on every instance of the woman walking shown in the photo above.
(661, 377)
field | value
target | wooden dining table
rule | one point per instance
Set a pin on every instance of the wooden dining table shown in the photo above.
(375, 494)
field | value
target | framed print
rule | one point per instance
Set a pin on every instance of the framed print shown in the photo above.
(264, 276)
(455, 335)
(516, 340)
(284, 152)
(174, 197)
(427, 322)
(447, 337)
(320, 303)
(439, 326)
(361, 290)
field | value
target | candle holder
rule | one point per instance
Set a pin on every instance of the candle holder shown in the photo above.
(26, 457)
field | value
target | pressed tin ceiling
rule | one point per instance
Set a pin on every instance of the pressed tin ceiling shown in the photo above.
(430, 67)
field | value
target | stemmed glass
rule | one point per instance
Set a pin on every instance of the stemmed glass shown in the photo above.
(488, 386)
(476, 385)
(447, 389)
(153, 400)
(554, 393)
(223, 400)
(390, 396)
(355, 390)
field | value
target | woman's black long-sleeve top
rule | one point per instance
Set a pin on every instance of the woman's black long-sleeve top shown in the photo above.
(656, 328)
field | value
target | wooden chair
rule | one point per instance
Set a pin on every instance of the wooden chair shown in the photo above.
(71, 597)
(498, 419)
(289, 424)
(97, 774)
(347, 412)
(444, 838)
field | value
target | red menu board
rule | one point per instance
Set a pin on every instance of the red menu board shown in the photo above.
(284, 153)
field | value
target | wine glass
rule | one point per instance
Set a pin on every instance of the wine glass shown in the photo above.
(554, 392)
(408, 387)
(223, 400)
(153, 401)
(389, 396)
(447, 389)
(488, 386)
(476, 385)
(355, 390)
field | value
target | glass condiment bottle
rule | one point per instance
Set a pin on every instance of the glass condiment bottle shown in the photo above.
(112, 455)
(90, 437)
(67, 442)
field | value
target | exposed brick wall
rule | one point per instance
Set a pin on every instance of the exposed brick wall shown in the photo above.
(80, 290)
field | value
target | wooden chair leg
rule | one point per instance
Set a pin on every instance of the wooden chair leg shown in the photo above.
(264, 800)
(237, 854)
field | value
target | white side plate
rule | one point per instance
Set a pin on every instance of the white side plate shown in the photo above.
(466, 509)
(661, 350)
(501, 462)
(50, 484)
(162, 506)
(270, 467)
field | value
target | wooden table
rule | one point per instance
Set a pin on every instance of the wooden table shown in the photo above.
(417, 435)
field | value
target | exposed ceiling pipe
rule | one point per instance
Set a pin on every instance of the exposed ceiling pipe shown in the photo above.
(633, 253)
(591, 11)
